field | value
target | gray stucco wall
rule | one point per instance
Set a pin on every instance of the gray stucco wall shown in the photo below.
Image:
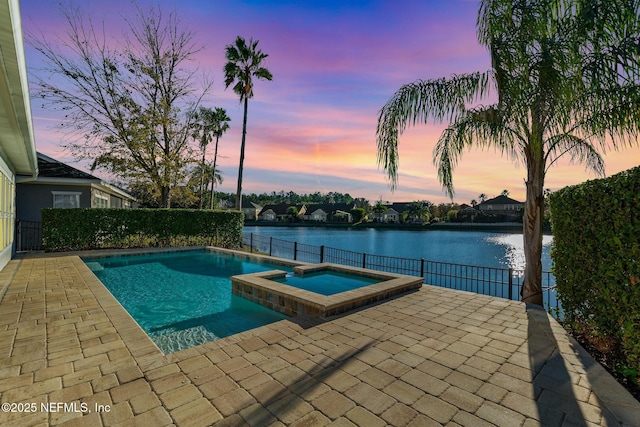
(31, 198)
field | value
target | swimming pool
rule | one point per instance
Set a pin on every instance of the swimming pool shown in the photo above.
(183, 299)
(326, 282)
(321, 290)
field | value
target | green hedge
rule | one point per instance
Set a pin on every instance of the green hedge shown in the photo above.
(80, 229)
(596, 262)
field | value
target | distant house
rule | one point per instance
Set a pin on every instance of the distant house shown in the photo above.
(250, 210)
(402, 208)
(390, 215)
(18, 161)
(317, 215)
(395, 213)
(279, 212)
(323, 212)
(59, 185)
(501, 205)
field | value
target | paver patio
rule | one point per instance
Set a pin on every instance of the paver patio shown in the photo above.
(432, 357)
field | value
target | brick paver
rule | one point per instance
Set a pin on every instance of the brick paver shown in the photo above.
(432, 357)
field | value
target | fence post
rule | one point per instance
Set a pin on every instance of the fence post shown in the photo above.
(321, 254)
(364, 260)
(511, 283)
(422, 267)
(270, 244)
(295, 251)
(251, 242)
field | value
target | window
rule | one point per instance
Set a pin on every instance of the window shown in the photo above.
(65, 199)
(101, 200)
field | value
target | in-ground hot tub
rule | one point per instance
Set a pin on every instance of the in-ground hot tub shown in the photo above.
(321, 289)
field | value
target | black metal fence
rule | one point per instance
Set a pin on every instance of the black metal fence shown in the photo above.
(28, 235)
(498, 282)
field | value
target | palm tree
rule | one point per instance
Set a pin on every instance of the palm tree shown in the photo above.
(201, 176)
(505, 193)
(244, 63)
(202, 132)
(220, 126)
(419, 210)
(566, 77)
(482, 197)
(379, 208)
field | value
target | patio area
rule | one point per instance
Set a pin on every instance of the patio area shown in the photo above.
(70, 355)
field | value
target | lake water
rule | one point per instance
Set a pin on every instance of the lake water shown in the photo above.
(487, 249)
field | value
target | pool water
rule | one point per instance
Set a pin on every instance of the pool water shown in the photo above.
(184, 299)
(326, 282)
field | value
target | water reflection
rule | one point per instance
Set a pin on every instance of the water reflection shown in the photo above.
(513, 247)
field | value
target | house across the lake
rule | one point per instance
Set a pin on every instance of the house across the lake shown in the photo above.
(281, 212)
(395, 213)
(329, 212)
(311, 212)
(501, 205)
(250, 210)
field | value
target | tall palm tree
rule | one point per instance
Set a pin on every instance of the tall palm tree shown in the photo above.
(220, 126)
(566, 73)
(245, 61)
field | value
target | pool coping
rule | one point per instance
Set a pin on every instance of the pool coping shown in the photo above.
(260, 288)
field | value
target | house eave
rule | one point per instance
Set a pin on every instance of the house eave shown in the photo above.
(17, 144)
(93, 183)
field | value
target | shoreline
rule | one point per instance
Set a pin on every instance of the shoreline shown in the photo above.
(505, 227)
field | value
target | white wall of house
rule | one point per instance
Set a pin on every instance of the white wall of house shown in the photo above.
(318, 215)
(268, 216)
(390, 215)
(17, 148)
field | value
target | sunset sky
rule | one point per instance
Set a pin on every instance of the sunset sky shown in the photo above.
(335, 64)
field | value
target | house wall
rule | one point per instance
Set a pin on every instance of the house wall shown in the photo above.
(7, 212)
(31, 198)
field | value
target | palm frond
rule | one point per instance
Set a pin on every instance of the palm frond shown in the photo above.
(580, 150)
(244, 61)
(418, 102)
(482, 127)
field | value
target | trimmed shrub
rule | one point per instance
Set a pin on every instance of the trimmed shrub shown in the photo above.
(596, 262)
(80, 229)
